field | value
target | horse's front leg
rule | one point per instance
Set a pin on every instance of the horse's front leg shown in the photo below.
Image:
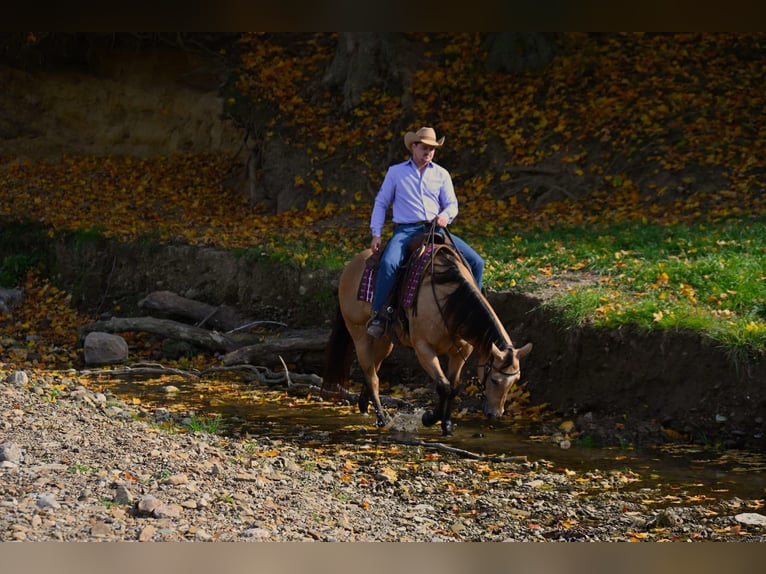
(443, 410)
(457, 359)
(430, 362)
(446, 387)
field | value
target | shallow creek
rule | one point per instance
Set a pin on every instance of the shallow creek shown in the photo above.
(245, 410)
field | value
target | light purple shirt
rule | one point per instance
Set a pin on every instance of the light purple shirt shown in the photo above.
(415, 196)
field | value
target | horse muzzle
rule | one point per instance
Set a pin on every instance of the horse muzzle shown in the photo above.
(493, 413)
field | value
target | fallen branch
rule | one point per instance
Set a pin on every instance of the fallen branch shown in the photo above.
(253, 324)
(458, 451)
(267, 376)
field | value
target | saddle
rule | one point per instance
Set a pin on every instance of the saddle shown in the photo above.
(419, 249)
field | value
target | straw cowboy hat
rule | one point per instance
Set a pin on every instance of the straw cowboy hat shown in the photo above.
(423, 135)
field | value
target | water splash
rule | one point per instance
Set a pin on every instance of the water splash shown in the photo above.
(406, 422)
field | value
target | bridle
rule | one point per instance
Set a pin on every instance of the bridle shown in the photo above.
(488, 368)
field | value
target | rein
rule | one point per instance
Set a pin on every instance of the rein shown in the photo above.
(432, 240)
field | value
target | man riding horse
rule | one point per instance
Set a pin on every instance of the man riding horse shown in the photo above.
(421, 193)
(447, 314)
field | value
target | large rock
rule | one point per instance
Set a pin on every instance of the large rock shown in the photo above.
(104, 349)
(9, 299)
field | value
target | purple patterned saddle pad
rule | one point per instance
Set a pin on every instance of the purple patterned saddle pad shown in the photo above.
(411, 281)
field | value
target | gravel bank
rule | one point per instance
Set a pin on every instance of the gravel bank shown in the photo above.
(78, 465)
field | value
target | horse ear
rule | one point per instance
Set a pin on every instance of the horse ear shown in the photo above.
(524, 351)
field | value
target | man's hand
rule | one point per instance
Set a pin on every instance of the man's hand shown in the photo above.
(441, 220)
(375, 244)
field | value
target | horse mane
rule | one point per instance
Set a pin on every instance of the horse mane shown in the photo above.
(465, 310)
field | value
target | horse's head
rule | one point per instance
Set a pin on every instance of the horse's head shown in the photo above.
(500, 371)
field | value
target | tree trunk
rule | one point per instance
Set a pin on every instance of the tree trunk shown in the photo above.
(517, 51)
(362, 60)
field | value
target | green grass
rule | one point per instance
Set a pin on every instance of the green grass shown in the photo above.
(707, 278)
(204, 424)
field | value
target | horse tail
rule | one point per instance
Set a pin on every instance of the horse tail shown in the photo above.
(338, 356)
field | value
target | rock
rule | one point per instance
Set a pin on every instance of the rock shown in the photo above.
(122, 495)
(9, 299)
(11, 452)
(146, 534)
(104, 349)
(147, 504)
(751, 519)
(168, 511)
(48, 500)
(17, 378)
(101, 530)
(176, 479)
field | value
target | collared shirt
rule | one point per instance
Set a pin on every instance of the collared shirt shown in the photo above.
(415, 195)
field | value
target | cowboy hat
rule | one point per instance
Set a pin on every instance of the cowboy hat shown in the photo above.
(423, 135)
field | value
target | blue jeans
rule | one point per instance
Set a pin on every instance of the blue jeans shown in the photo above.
(396, 250)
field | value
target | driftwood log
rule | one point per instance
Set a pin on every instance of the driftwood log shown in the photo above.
(172, 305)
(166, 328)
(293, 344)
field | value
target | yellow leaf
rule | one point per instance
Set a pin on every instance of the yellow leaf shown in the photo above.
(269, 453)
(567, 426)
(390, 474)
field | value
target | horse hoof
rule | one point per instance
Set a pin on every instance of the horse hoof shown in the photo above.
(447, 428)
(428, 419)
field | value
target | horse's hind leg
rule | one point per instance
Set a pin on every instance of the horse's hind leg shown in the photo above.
(370, 360)
(364, 399)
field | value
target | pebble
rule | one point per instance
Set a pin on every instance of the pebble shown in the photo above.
(122, 495)
(10, 452)
(147, 533)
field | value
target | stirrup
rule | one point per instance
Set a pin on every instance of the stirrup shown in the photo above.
(376, 327)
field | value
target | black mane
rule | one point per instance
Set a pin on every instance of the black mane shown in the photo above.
(466, 311)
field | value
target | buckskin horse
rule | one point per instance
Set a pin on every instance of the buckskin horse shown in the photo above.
(446, 314)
